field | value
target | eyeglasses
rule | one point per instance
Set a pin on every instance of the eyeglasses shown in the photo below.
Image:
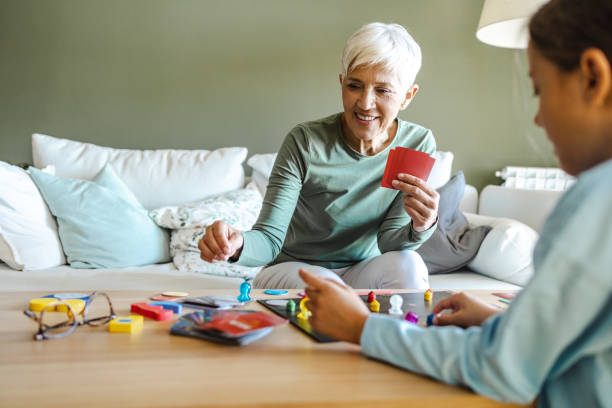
(55, 325)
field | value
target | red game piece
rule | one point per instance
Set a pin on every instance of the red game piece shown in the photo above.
(154, 312)
(371, 297)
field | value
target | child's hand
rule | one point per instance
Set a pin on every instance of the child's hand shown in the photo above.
(337, 311)
(466, 311)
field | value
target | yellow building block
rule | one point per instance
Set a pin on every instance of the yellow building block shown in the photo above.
(130, 324)
(76, 304)
(37, 305)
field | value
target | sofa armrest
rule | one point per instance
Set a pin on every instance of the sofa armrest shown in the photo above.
(531, 207)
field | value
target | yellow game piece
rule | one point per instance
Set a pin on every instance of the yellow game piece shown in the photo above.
(304, 312)
(130, 324)
(375, 306)
(37, 305)
(428, 295)
(76, 304)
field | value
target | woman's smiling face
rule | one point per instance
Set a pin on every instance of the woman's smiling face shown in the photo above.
(372, 98)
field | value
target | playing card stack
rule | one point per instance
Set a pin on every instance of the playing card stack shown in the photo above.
(233, 327)
(409, 161)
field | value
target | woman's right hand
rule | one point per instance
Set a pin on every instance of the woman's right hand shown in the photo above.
(220, 242)
(466, 311)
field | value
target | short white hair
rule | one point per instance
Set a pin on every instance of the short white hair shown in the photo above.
(388, 45)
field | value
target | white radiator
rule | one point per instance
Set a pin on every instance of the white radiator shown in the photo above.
(535, 178)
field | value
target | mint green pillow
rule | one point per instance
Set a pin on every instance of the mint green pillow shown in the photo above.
(101, 223)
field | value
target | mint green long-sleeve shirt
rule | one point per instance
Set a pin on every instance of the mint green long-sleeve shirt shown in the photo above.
(324, 204)
(555, 339)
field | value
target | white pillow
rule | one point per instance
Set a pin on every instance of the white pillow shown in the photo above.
(441, 171)
(156, 177)
(28, 231)
(189, 261)
(238, 208)
(506, 253)
(262, 167)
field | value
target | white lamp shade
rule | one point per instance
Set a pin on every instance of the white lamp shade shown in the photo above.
(503, 23)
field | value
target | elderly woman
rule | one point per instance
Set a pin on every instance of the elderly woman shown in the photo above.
(325, 209)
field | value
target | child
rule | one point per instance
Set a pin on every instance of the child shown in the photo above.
(555, 340)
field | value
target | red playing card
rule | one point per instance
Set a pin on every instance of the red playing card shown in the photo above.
(404, 160)
(233, 323)
(386, 180)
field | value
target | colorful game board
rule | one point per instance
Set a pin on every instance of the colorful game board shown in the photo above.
(413, 302)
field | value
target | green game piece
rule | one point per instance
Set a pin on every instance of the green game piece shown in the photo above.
(291, 306)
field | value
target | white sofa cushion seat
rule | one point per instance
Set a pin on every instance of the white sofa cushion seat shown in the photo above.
(468, 280)
(153, 278)
(160, 277)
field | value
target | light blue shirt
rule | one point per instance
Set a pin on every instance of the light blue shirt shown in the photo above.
(555, 340)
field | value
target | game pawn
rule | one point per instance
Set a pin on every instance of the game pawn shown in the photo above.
(371, 297)
(428, 296)
(375, 306)
(245, 291)
(396, 302)
(304, 312)
(412, 317)
(291, 306)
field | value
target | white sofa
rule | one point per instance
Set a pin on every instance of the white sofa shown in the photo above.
(495, 203)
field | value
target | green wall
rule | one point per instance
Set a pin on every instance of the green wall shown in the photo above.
(193, 74)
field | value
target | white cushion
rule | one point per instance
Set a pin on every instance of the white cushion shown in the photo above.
(506, 253)
(530, 207)
(262, 164)
(238, 208)
(441, 171)
(156, 177)
(28, 231)
(469, 201)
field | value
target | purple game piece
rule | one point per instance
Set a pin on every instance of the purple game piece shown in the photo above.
(412, 317)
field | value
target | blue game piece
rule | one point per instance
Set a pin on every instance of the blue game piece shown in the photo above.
(430, 319)
(245, 291)
(175, 307)
(276, 292)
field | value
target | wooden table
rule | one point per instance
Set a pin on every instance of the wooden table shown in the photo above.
(95, 368)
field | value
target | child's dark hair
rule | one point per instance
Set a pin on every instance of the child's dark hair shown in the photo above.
(563, 29)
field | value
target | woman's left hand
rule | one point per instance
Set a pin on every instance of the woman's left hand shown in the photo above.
(420, 201)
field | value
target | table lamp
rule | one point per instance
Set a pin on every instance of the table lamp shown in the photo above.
(503, 23)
